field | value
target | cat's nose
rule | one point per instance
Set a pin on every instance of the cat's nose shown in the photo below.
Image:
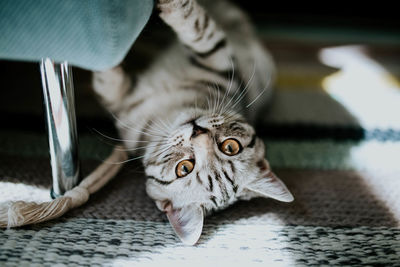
(197, 130)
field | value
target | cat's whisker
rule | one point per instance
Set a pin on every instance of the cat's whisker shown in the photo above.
(158, 124)
(210, 100)
(104, 139)
(163, 125)
(150, 127)
(169, 123)
(214, 100)
(237, 98)
(216, 103)
(226, 105)
(231, 79)
(152, 133)
(229, 87)
(167, 126)
(120, 121)
(229, 114)
(166, 149)
(195, 106)
(259, 95)
(125, 161)
(129, 127)
(221, 98)
(217, 99)
(246, 89)
(120, 140)
(138, 148)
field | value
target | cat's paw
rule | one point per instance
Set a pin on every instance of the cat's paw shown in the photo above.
(174, 6)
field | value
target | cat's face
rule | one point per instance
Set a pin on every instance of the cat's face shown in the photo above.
(207, 163)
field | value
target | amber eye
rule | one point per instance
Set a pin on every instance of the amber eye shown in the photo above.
(230, 147)
(184, 167)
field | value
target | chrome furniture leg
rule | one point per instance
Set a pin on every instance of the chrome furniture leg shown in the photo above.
(59, 105)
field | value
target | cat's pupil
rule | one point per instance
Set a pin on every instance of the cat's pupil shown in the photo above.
(228, 149)
(185, 169)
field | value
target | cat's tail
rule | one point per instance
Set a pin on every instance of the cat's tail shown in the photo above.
(19, 213)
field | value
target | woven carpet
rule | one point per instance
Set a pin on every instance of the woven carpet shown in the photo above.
(332, 134)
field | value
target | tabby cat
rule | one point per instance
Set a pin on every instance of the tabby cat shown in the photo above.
(189, 114)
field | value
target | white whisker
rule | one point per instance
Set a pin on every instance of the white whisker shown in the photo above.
(121, 140)
(157, 155)
(257, 97)
(216, 103)
(160, 125)
(129, 127)
(150, 127)
(229, 87)
(125, 161)
(245, 90)
(167, 127)
(138, 148)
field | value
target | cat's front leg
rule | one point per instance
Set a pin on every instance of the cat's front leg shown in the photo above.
(198, 32)
(112, 86)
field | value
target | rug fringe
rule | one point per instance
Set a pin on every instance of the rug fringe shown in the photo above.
(19, 213)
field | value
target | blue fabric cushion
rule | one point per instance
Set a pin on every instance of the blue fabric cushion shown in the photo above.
(91, 34)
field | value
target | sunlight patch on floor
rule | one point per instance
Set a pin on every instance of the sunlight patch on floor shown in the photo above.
(225, 245)
(18, 191)
(371, 94)
(363, 86)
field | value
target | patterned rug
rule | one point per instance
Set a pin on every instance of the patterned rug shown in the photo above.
(332, 134)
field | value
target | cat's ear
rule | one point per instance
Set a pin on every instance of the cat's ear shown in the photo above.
(187, 222)
(269, 185)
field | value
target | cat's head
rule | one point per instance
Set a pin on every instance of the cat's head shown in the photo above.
(205, 164)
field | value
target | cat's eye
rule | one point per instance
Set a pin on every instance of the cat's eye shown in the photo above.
(230, 147)
(184, 167)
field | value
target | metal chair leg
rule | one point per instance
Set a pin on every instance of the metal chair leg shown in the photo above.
(58, 91)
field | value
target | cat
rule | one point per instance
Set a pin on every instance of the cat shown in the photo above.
(190, 114)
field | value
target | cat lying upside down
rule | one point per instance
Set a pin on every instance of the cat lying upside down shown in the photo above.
(191, 111)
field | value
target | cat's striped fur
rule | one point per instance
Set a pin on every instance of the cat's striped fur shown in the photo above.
(187, 103)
